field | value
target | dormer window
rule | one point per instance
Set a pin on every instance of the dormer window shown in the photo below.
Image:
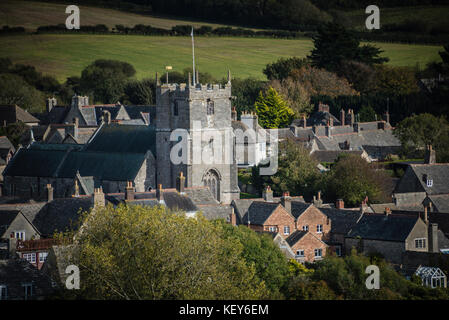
(428, 180)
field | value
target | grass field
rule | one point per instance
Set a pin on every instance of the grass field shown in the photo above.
(432, 15)
(66, 55)
(30, 14)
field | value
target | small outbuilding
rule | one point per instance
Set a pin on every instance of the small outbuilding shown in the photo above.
(432, 277)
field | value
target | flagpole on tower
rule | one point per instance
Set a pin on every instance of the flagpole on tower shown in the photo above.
(193, 54)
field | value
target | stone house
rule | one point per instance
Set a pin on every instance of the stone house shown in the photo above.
(390, 235)
(324, 132)
(307, 246)
(269, 216)
(420, 181)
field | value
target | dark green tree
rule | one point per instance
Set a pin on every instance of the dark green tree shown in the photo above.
(334, 44)
(105, 80)
(282, 68)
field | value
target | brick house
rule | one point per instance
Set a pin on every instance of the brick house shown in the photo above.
(269, 216)
(309, 218)
(307, 246)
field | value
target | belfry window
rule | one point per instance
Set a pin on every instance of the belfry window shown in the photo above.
(210, 107)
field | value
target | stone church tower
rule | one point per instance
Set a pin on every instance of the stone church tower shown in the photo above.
(198, 110)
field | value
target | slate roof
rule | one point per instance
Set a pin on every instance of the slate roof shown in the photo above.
(14, 272)
(173, 200)
(124, 139)
(295, 237)
(6, 218)
(331, 155)
(382, 227)
(213, 212)
(57, 215)
(341, 220)
(13, 113)
(258, 212)
(414, 180)
(298, 208)
(200, 195)
(56, 115)
(440, 202)
(116, 153)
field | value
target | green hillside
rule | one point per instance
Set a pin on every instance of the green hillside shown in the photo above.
(66, 55)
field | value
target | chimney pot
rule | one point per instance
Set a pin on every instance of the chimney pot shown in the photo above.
(340, 204)
(129, 191)
(49, 193)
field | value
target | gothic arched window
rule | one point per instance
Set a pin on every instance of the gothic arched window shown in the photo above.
(212, 181)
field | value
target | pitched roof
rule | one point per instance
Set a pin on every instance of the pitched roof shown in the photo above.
(13, 113)
(14, 272)
(383, 227)
(440, 202)
(332, 155)
(6, 218)
(298, 208)
(258, 212)
(295, 237)
(414, 179)
(341, 220)
(124, 139)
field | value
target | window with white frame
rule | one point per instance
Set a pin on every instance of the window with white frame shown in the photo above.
(305, 228)
(3, 292)
(319, 228)
(420, 243)
(43, 256)
(318, 253)
(300, 253)
(429, 183)
(28, 290)
(19, 235)
(272, 229)
(30, 257)
(286, 230)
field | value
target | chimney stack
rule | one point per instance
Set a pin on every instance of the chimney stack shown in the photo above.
(286, 201)
(77, 189)
(426, 220)
(129, 191)
(232, 217)
(51, 103)
(304, 121)
(317, 202)
(76, 123)
(433, 238)
(99, 200)
(267, 194)
(340, 204)
(49, 193)
(342, 116)
(387, 211)
(180, 183)
(160, 194)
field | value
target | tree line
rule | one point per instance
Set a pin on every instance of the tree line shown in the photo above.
(152, 253)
